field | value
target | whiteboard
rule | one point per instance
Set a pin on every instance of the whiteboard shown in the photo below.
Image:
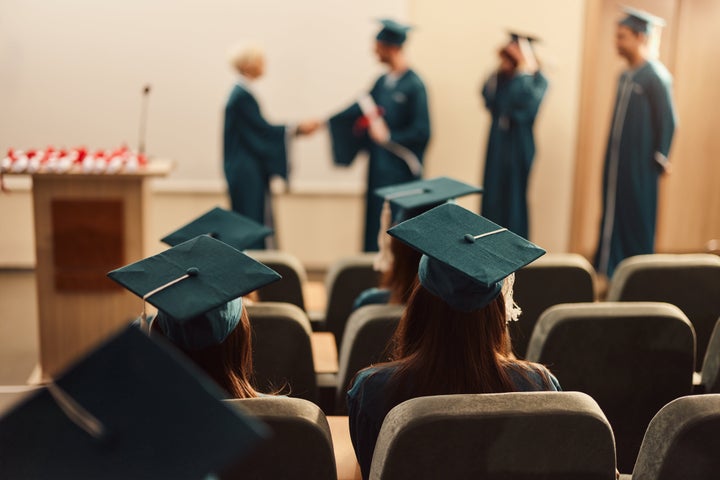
(72, 72)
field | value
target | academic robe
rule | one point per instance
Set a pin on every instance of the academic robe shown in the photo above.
(368, 403)
(513, 102)
(253, 151)
(405, 110)
(640, 137)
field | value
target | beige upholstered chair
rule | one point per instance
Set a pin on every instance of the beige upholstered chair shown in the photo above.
(282, 350)
(632, 358)
(503, 436)
(300, 445)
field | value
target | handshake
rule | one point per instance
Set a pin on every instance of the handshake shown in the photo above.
(308, 127)
(377, 129)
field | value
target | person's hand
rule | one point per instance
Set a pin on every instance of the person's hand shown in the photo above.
(379, 131)
(308, 127)
(522, 53)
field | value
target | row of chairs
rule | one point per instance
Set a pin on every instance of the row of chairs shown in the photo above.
(508, 436)
(690, 281)
(631, 357)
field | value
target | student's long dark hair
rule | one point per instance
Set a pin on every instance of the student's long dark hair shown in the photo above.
(401, 278)
(439, 350)
(229, 363)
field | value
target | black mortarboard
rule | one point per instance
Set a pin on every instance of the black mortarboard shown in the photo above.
(640, 21)
(413, 198)
(230, 227)
(130, 409)
(194, 277)
(393, 33)
(466, 257)
(515, 36)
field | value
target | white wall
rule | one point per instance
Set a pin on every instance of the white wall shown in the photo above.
(71, 73)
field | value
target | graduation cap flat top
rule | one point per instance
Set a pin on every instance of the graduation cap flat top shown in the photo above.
(207, 273)
(232, 228)
(466, 256)
(157, 417)
(393, 33)
(424, 193)
(640, 21)
(515, 36)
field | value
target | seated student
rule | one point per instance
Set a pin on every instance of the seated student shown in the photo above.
(197, 287)
(397, 261)
(453, 336)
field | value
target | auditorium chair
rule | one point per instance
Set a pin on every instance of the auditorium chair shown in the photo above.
(500, 436)
(632, 358)
(290, 288)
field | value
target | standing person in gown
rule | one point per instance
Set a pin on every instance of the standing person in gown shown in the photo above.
(637, 151)
(453, 337)
(197, 287)
(512, 95)
(392, 123)
(254, 151)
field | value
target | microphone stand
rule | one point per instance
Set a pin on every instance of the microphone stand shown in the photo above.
(143, 119)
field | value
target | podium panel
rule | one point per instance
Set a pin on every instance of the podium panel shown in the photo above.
(85, 226)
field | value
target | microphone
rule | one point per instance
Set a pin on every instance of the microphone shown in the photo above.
(143, 119)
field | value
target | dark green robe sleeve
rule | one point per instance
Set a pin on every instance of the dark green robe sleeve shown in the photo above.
(346, 142)
(662, 115)
(526, 94)
(264, 140)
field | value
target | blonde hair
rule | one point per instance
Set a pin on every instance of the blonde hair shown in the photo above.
(242, 58)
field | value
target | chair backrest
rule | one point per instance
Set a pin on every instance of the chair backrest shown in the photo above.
(710, 375)
(632, 358)
(300, 445)
(365, 342)
(551, 280)
(689, 281)
(346, 279)
(502, 436)
(290, 288)
(282, 351)
(682, 441)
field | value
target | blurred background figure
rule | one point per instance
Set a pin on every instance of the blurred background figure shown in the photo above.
(254, 150)
(391, 122)
(512, 95)
(637, 151)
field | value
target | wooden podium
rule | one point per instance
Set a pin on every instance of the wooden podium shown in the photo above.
(85, 225)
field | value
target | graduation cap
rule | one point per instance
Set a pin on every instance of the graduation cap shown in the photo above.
(516, 36)
(410, 199)
(130, 409)
(193, 285)
(640, 21)
(466, 257)
(232, 228)
(392, 32)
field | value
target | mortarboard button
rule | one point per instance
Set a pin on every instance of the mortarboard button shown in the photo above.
(232, 228)
(466, 257)
(130, 409)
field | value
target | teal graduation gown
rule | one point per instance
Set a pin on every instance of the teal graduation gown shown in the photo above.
(513, 102)
(405, 107)
(640, 138)
(253, 151)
